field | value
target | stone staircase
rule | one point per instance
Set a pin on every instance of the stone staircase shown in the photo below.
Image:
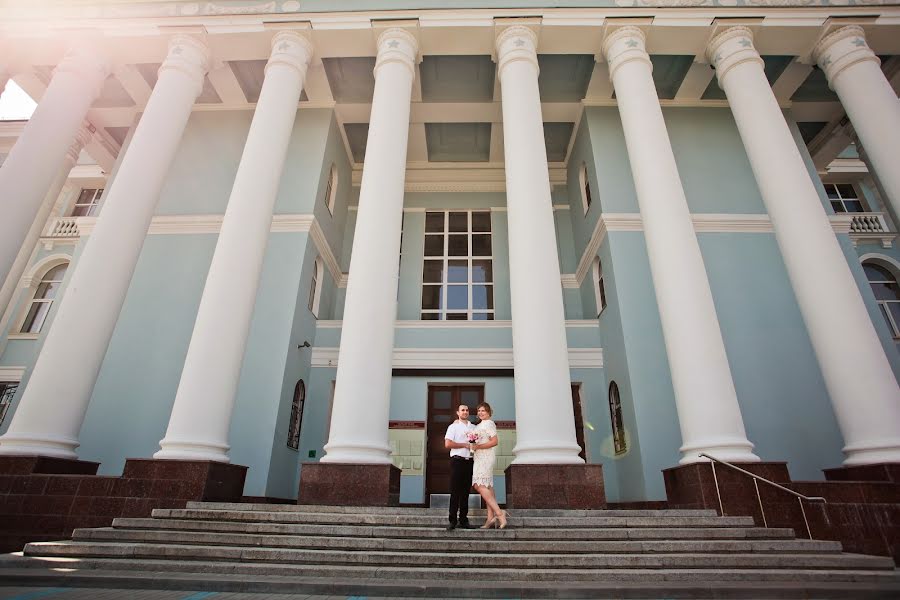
(407, 552)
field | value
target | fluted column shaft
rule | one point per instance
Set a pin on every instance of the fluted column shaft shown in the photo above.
(359, 421)
(37, 226)
(863, 389)
(545, 422)
(871, 103)
(37, 157)
(201, 417)
(55, 401)
(708, 411)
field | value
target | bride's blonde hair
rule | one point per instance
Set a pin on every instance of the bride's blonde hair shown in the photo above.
(486, 407)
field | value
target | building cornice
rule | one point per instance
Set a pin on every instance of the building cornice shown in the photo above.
(459, 358)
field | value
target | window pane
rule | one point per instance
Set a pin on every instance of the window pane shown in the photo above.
(434, 222)
(457, 297)
(431, 316)
(837, 206)
(482, 271)
(481, 221)
(458, 245)
(481, 245)
(35, 318)
(884, 313)
(458, 271)
(47, 290)
(56, 273)
(854, 206)
(482, 296)
(846, 191)
(81, 211)
(459, 221)
(482, 316)
(886, 291)
(894, 307)
(457, 317)
(431, 296)
(434, 245)
(433, 271)
(876, 273)
(831, 190)
(587, 192)
(86, 196)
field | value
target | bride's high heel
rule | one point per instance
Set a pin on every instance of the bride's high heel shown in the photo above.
(489, 524)
(503, 516)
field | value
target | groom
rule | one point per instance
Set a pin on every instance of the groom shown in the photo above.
(457, 441)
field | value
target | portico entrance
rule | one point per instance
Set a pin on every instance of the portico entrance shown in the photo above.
(442, 403)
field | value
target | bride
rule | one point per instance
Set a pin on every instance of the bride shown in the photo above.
(483, 468)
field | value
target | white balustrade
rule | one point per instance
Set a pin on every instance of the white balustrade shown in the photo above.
(63, 227)
(868, 223)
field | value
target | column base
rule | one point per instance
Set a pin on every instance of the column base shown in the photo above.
(555, 486)
(197, 480)
(45, 465)
(878, 472)
(693, 486)
(342, 484)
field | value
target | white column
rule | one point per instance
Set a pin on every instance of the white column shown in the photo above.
(853, 72)
(545, 423)
(4, 79)
(705, 398)
(56, 398)
(201, 417)
(859, 378)
(40, 221)
(37, 157)
(359, 418)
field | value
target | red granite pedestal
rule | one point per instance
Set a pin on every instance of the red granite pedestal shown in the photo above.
(576, 487)
(877, 472)
(349, 484)
(693, 486)
(45, 498)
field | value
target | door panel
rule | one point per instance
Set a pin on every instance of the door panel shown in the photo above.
(442, 403)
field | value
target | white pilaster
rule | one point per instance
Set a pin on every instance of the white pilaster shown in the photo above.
(859, 378)
(545, 423)
(708, 410)
(56, 398)
(201, 417)
(853, 72)
(82, 138)
(37, 157)
(359, 421)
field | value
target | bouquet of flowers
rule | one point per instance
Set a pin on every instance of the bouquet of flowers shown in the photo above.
(473, 439)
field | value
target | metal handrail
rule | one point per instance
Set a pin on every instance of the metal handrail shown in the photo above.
(756, 479)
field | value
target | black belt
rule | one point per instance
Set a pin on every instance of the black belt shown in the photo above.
(460, 458)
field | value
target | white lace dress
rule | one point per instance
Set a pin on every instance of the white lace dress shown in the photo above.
(483, 468)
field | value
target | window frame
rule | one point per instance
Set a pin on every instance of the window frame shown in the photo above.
(841, 201)
(599, 287)
(34, 289)
(298, 402)
(892, 323)
(584, 188)
(315, 287)
(620, 443)
(331, 186)
(8, 390)
(442, 311)
(92, 206)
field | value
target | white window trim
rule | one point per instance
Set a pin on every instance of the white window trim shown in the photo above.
(331, 189)
(582, 181)
(892, 267)
(94, 204)
(598, 277)
(30, 284)
(316, 293)
(859, 196)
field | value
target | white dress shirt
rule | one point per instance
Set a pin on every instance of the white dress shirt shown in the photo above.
(458, 432)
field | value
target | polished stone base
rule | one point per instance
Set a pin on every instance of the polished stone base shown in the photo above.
(878, 472)
(555, 486)
(26, 465)
(349, 484)
(694, 486)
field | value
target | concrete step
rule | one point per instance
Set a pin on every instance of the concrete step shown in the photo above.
(524, 562)
(411, 578)
(614, 533)
(403, 510)
(485, 545)
(422, 519)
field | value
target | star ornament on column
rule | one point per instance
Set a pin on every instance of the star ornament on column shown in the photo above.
(632, 43)
(177, 50)
(826, 61)
(393, 44)
(519, 42)
(858, 42)
(282, 46)
(745, 43)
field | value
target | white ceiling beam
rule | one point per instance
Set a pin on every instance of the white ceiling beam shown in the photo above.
(317, 87)
(417, 147)
(496, 153)
(790, 80)
(695, 82)
(134, 83)
(600, 87)
(226, 84)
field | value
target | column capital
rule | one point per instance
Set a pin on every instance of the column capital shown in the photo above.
(190, 56)
(516, 43)
(842, 49)
(291, 49)
(625, 44)
(397, 45)
(730, 48)
(82, 138)
(87, 64)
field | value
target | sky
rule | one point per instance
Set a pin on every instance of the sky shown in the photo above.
(15, 104)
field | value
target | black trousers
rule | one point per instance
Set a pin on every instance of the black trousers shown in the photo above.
(460, 484)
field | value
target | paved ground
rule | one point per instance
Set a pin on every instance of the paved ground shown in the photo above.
(50, 593)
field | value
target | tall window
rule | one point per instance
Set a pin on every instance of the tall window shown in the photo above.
(599, 290)
(585, 185)
(887, 294)
(87, 202)
(315, 287)
(296, 415)
(43, 299)
(843, 198)
(615, 416)
(7, 391)
(457, 276)
(331, 189)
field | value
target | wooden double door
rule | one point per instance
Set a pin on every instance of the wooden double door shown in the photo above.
(443, 401)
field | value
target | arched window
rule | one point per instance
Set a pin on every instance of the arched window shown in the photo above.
(887, 294)
(293, 440)
(43, 299)
(315, 287)
(331, 188)
(599, 290)
(585, 186)
(615, 415)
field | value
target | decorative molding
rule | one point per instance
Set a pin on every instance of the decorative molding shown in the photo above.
(473, 177)
(841, 223)
(500, 324)
(12, 374)
(570, 281)
(460, 358)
